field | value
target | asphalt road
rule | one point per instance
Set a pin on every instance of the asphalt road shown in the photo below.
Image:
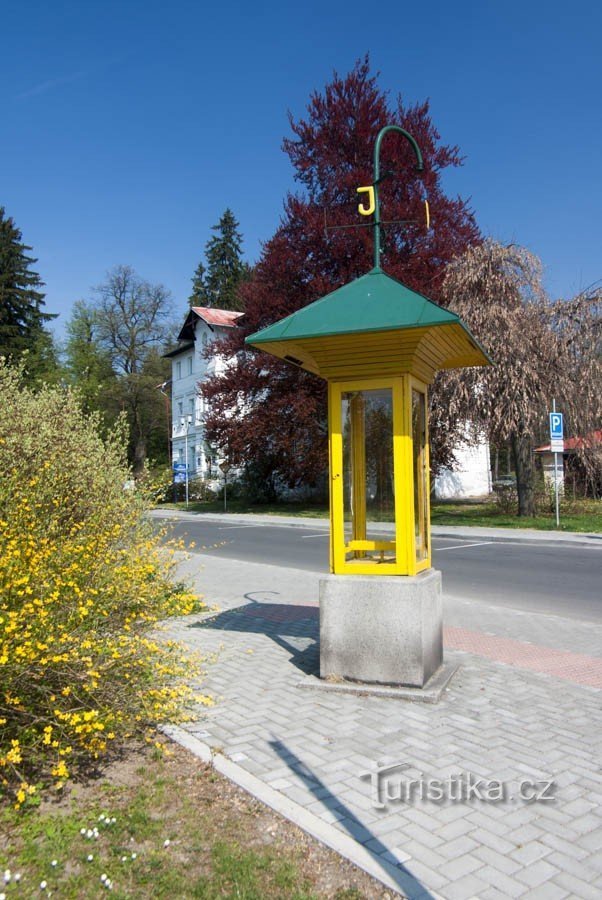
(562, 579)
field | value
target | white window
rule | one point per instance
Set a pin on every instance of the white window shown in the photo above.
(191, 409)
(178, 370)
(204, 339)
(180, 410)
(190, 365)
(181, 454)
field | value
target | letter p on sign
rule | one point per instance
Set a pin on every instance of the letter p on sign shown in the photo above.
(556, 425)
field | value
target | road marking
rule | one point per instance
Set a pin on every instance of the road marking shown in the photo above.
(231, 527)
(464, 546)
(304, 537)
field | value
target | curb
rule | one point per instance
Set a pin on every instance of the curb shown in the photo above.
(463, 532)
(388, 874)
(519, 536)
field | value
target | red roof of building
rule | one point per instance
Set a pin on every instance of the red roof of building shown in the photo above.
(222, 317)
(576, 443)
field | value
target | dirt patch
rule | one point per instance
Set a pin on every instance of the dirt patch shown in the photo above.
(192, 833)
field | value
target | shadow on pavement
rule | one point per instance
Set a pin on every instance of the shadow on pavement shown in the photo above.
(286, 624)
(283, 624)
(408, 884)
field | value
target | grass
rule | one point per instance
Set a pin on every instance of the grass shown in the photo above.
(575, 515)
(179, 830)
(578, 515)
(314, 511)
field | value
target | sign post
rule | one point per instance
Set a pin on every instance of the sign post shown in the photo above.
(556, 446)
(186, 423)
(225, 468)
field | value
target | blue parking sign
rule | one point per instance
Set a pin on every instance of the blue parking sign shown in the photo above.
(556, 426)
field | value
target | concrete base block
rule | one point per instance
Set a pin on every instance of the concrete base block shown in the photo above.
(431, 692)
(381, 629)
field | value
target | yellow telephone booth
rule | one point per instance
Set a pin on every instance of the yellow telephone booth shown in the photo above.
(378, 344)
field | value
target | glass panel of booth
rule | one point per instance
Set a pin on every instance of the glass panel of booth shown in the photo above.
(420, 473)
(368, 475)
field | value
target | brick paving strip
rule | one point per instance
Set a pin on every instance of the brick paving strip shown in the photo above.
(524, 705)
(576, 667)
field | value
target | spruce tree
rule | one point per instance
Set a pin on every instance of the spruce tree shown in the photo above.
(225, 267)
(21, 317)
(199, 288)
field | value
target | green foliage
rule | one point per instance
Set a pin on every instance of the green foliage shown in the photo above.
(114, 358)
(259, 483)
(199, 296)
(218, 284)
(88, 365)
(21, 316)
(82, 579)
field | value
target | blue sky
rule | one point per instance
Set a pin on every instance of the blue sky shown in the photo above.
(128, 127)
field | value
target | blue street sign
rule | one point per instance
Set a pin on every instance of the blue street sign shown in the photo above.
(179, 472)
(556, 426)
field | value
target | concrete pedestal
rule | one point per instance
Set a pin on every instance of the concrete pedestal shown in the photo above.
(381, 629)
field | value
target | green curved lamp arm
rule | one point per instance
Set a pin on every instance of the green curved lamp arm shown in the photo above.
(419, 168)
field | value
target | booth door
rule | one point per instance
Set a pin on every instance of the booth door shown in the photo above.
(366, 418)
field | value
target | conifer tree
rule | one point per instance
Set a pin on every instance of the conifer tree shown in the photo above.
(21, 316)
(217, 283)
(198, 296)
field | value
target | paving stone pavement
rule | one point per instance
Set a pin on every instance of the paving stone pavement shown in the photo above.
(504, 720)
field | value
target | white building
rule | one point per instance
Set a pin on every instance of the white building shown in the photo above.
(189, 367)
(471, 476)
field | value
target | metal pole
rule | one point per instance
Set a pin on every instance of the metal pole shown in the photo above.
(419, 168)
(556, 477)
(225, 492)
(186, 459)
(556, 488)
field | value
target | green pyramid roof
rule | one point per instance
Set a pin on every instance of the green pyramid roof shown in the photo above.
(375, 302)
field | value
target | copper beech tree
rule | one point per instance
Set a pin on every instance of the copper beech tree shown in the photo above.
(542, 350)
(272, 417)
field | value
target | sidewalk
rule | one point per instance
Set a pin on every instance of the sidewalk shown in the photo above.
(524, 704)
(458, 531)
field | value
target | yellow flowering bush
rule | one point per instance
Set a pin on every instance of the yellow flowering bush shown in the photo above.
(83, 580)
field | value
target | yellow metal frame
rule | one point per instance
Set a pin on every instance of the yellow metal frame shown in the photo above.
(421, 387)
(404, 545)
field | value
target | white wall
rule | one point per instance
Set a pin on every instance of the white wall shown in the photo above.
(472, 475)
(188, 369)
